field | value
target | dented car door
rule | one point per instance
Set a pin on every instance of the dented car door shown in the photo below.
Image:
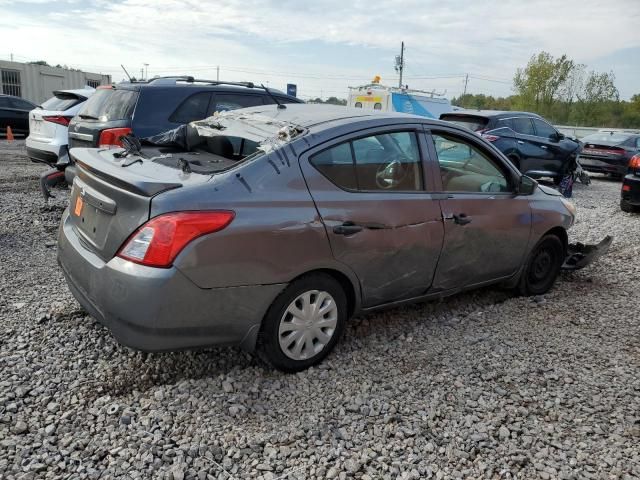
(371, 193)
(487, 226)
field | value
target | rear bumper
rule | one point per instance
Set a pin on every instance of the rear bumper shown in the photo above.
(154, 309)
(631, 189)
(43, 156)
(614, 166)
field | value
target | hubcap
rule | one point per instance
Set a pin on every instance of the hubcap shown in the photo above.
(308, 324)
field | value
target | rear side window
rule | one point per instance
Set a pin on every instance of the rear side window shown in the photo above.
(389, 161)
(523, 125)
(193, 108)
(61, 102)
(543, 129)
(474, 124)
(110, 104)
(233, 101)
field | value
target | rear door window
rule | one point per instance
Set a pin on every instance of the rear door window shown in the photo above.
(233, 101)
(110, 104)
(193, 108)
(388, 161)
(543, 129)
(523, 125)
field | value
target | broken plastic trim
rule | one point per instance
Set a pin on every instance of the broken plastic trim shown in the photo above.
(580, 255)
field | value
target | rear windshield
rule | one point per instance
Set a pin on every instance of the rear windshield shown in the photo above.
(110, 104)
(610, 138)
(472, 123)
(62, 101)
(222, 141)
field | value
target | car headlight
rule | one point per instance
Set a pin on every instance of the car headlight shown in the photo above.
(569, 205)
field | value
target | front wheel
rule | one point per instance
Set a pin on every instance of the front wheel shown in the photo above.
(304, 323)
(543, 266)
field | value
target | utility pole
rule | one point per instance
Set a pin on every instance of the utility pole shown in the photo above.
(12, 57)
(146, 71)
(466, 80)
(142, 74)
(400, 64)
(218, 73)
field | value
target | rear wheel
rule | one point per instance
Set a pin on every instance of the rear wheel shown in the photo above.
(627, 207)
(304, 323)
(543, 266)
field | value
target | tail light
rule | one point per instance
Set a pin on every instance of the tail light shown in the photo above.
(159, 241)
(111, 137)
(490, 138)
(634, 163)
(59, 119)
(626, 188)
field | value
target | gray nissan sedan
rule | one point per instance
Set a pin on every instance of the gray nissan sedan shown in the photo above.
(270, 227)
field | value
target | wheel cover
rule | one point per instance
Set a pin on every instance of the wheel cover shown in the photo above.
(308, 324)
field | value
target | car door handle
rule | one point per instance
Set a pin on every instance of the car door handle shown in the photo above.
(520, 142)
(347, 228)
(461, 218)
(543, 147)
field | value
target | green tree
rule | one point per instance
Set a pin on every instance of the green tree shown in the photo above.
(598, 99)
(541, 82)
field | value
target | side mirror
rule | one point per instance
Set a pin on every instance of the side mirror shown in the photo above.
(526, 185)
(557, 137)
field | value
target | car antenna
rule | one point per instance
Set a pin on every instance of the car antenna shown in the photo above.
(273, 97)
(125, 71)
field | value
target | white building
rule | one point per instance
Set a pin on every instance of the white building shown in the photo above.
(37, 82)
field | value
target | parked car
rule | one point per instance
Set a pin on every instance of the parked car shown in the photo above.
(48, 125)
(630, 195)
(277, 223)
(609, 152)
(14, 113)
(159, 105)
(532, 144)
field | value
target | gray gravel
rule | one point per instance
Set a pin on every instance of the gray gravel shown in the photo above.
(482, 385)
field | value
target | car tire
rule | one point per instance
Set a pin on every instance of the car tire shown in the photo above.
(627, 207)
(542, 267)
(291, 338)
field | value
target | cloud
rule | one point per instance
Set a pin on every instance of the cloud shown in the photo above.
(456, 36)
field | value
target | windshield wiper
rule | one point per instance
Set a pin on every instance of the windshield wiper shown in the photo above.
(273, 97)
(88, 117)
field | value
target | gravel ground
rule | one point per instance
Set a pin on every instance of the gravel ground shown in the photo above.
(482, 385)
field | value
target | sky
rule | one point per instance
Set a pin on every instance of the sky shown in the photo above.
(326, 46)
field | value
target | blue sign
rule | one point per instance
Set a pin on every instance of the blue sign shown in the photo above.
(292, 89)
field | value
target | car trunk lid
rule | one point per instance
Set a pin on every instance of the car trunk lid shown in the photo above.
(111, 197)
(40, 129)
(602, 150)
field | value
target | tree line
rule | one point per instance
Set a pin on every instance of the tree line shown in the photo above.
(564, 92)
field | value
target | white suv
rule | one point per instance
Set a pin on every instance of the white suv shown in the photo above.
(48, 125)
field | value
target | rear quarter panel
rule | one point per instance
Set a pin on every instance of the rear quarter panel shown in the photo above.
(276, 234)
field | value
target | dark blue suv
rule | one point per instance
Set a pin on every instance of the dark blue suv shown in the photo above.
(161, 104)
(533, 145)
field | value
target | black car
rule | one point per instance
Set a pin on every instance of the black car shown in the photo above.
(533, 145)
(159, 105)
(630, 195)
(609, 152)
(14, 113)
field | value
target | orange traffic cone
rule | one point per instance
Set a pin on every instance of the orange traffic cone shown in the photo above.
(10, 137)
